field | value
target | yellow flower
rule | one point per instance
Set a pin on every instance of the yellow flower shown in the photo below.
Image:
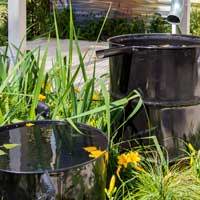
(111, 188)
(96, 97)
(42, 97)
(123, 160)
(118, 170)
(90, 149)
(133, 157)
(96, 154)
(29, 124)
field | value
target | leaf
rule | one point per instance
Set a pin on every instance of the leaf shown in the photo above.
(2, 153)
(107, 106)
(74, 126)
(113, 105)
(38, 85)
(10, 146)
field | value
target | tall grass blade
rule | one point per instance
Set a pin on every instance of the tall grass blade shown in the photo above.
(104, 22)
(61, 98)
(38, 86)
(71, 37)
(106, 96)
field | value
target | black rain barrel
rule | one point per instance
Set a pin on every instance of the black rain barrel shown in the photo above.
(50, 162)
(165, 69)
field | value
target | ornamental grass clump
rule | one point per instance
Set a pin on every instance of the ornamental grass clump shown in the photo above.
(175, 184)
(194, 160)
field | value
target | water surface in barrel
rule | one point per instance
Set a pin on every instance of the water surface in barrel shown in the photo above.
(47, 146)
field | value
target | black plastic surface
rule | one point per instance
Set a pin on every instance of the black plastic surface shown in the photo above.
(163, 67)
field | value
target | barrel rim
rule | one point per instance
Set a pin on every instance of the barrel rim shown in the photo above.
(189, 38)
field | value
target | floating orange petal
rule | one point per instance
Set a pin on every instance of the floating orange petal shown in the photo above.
(96, 154)
(29, 124)
(90, 149)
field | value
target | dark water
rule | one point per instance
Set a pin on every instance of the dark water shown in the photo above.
(47, 146)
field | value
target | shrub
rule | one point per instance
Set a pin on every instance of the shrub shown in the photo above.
(38, 17)
(3, 23)
(113, 27)
(159, 25)
(195, 19)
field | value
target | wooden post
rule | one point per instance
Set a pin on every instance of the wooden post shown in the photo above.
(16, 26)
(185, 23)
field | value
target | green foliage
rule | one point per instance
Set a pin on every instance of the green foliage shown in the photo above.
(176, 184)
(159, 25)
(63, 23)
(3, 23)
(118, 26)
(38, 17)
(41, 22)
(195, 22)
(112, 27)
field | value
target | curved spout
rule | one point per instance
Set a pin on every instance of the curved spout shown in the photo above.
(176, 13)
